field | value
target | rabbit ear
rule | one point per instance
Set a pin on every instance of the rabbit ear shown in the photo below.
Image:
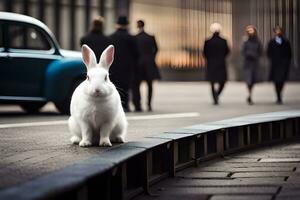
(107, 57)
(88, 56)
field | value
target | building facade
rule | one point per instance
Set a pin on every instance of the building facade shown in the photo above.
(180, 26)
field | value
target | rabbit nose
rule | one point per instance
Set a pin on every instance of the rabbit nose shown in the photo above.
(97, 90)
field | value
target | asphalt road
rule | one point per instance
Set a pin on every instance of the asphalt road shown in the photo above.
(32, 145)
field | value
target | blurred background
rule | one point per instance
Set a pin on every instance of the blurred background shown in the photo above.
(180, 27)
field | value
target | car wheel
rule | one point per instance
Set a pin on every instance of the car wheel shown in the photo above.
(32, 107)
(64, 106)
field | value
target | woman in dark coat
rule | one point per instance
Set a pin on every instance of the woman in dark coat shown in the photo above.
(215, 51)
(251, 51)
(280, 54)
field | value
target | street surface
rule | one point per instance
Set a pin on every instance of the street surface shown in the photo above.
(32, 145)
(263, 174)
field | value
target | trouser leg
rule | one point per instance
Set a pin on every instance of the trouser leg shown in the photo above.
(250, 86)
(221, 87)
(278, 88)
(150, 90)
(136, 95)
(249, 99)
(214, 92)
(123, 90)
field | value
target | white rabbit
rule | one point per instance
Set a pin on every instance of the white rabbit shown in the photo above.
(96, 109)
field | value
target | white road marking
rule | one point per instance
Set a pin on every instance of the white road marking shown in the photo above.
(29, 124)
(164, 116)
(129, 118)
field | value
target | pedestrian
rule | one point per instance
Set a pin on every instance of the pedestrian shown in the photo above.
(251, 51)
(215, 51)
(147, 69)
(125, 62)
(95, 38)
(280, 54)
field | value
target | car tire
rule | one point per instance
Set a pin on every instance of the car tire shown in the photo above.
(64, 106)
(32, 107)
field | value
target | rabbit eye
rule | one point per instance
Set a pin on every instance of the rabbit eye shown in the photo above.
(87, 77)
(105, 78)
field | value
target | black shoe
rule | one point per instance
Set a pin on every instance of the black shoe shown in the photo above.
(149, 108)
(138, 110)
(216, 99)
(216, 102)
(279, 102)
(126, 110)
(249, 100)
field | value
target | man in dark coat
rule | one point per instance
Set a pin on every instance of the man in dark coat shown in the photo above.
(95, 38)
(280, 54)
(215, 51)
(125, 62)
(147, 69)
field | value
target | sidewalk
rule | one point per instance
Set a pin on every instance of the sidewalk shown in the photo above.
(264, 174)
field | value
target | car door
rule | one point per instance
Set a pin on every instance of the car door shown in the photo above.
(30, 52)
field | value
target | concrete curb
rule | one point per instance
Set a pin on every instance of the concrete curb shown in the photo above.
(128, 170)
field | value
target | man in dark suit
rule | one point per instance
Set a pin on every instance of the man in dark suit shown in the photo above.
(125, 62)
(280, 55)
(147, 69)
(215, 52)
(95, 38)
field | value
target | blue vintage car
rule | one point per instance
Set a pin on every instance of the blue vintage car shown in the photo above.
(33, 68)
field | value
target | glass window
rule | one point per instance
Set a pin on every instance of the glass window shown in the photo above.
(25, 37)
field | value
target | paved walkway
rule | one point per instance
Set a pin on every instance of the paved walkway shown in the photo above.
(264, 174)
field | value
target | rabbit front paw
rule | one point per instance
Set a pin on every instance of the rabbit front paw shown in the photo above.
(118, 139)
(75, 139)
(85, 143)
(105, 142)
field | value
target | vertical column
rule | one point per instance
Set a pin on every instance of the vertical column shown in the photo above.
(87, 14)
(122, 7)
(72, 23)
(147, 169)
(192, 147)
(41, 8)
(279, 12)
(276, 13)
(109, 16)
(101, 7)
(297, 24)
(220, 141)
(241, 17)
(226, 139)
(283, 10)
(176, 153)
(25, 7)
(57, 19)
(294, 34)
(272, 17)
(241, 137)
(8, 5)
(173, 162)
(259, 133)
(124, 180)
(205, 145)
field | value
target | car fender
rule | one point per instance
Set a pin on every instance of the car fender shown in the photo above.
(60, 76)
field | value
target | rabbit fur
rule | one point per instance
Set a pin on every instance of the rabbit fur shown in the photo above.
(96, 110)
